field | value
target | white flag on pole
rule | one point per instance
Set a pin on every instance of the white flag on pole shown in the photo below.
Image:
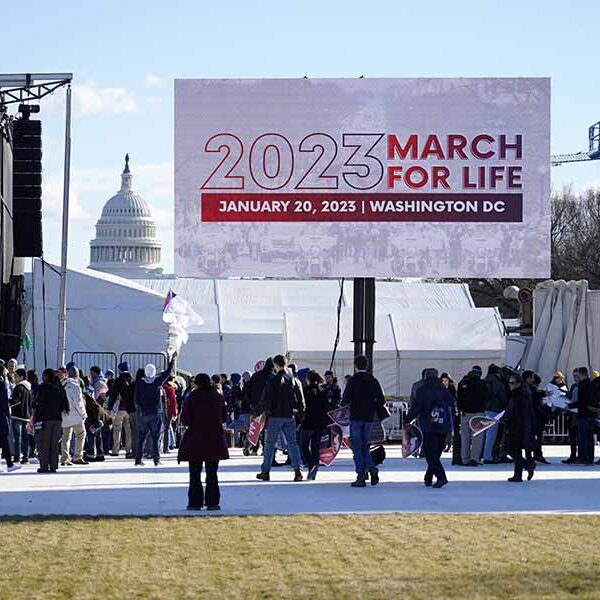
(179, 316)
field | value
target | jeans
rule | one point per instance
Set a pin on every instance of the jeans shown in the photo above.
(148, 424)
(94, 444)
(196, 496)
(310, 444)
(433, 446)
(275, 426)
(585, 432)
(21, 441)
(490, 437)
(360, 435)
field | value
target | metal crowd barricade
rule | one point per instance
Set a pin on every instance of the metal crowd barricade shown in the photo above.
(556, 431)
(104, 360)
(394, 425)
(138, 360)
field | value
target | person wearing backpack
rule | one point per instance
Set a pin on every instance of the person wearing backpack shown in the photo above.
(433, 408)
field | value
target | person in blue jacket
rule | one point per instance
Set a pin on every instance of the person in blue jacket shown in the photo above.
(147, 398)
(433, 408)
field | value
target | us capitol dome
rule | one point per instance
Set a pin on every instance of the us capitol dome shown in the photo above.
(125, 242)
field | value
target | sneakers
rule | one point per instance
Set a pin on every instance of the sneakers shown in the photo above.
(111, 453)
(34, 461)
(24, 460)
(14, 468)
(211, 508)
(374, 473)
(359, 483)
(80, 461)
(298, 475)
(264, 476)
(66, 463)
(312, 473)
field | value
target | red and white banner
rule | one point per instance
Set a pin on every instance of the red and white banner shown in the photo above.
(362, 177)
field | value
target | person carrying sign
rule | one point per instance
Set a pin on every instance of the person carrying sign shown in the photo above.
(433, 407)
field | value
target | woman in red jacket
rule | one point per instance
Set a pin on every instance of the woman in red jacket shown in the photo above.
(203, 442)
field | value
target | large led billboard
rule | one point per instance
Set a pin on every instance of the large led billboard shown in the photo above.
(362, 177)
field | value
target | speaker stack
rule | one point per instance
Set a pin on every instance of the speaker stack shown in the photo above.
(27, 187)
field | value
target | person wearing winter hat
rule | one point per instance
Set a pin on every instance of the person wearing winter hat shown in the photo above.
(147, 396)
(73, 420)
(122, 406)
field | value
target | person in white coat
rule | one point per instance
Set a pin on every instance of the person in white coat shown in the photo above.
(73, 421)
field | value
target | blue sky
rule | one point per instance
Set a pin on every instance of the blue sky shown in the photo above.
(124, 56)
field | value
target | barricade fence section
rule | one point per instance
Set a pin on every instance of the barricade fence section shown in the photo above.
(104, 360)
(138, 360)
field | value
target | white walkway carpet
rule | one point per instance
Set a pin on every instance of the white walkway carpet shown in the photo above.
(116, 487)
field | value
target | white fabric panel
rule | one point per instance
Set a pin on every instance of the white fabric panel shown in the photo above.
(567, 331)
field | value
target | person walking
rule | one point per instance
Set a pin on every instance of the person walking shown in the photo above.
(51, 403)
(314, 424)
(282, 401)
(433, 408)
(364, 395)
(121, 406)
(73, 422)
(147, 396)
(203, 442)
(470, 398)
(520, 427)
(20, 410)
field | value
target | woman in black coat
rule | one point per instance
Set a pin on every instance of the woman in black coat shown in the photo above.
(520, 425)
(315, 422)
(203, 442)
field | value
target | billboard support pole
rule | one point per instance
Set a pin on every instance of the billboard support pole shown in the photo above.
(364, 317)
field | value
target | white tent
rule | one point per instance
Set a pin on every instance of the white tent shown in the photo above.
(407, 341)
(244, 322)
(566, 328)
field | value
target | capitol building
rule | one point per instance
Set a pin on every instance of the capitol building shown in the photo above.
(126, 244)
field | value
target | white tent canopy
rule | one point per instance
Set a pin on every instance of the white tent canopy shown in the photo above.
(566, 329)
(418, 324)
(407, 341)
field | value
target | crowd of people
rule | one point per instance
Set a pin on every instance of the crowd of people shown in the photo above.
(74, 417)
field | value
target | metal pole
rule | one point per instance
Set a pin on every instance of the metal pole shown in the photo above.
(359, 316)
(62, 316)
(369, 319)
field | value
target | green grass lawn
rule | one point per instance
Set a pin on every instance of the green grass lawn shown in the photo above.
(387, 556)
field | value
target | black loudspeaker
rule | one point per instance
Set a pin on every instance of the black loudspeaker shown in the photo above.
(27, 187)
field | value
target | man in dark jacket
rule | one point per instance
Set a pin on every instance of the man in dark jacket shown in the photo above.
(282, 401)
(20, 408)
(587, 411)
(147, 396)
(471, 395)
(433, 407)
(50, 405)
(363, 394)
(121, 404)
(494, 404)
